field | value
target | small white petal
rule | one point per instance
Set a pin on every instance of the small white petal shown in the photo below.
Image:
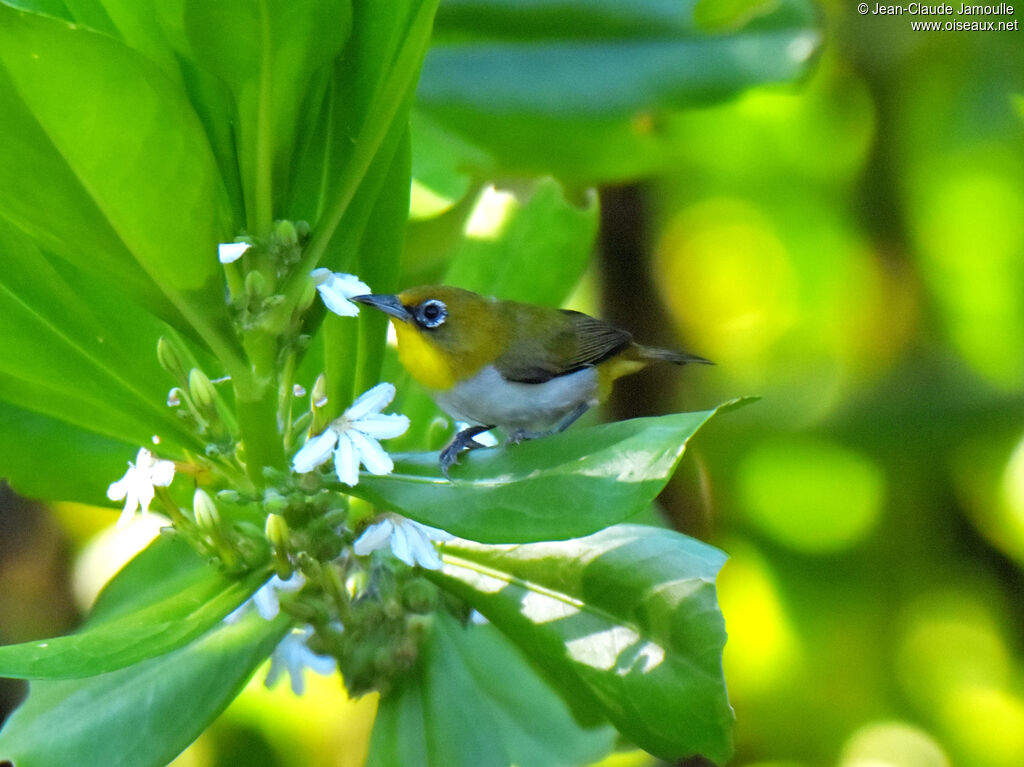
(319, 664)
(383, 425)
(144, 493)
(315, 452)
(294, 656)
(376, 536)
(372, 455)
(371, 401)
(229, 252)
(266, 602)
(346, 461)
(337, 303)
(162, 473)
(119, 489)
(434, 533)
(401, 546)
(128, 512)
(336, 289)
(422, 548)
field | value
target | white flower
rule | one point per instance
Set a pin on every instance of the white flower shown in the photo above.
(410, 541)
(229, 252)
(294, 656)
(336, 289)
(266, 599)
(136, 486)
(352, 438)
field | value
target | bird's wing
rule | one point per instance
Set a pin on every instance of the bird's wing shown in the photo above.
(575, 342)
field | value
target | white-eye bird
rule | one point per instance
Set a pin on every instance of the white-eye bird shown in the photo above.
(529, 370)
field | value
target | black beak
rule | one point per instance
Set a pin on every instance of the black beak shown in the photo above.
(387, 304)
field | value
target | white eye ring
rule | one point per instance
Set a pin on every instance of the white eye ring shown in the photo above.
(431, 313)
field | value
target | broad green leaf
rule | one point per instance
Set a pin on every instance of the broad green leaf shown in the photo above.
(562, 486)
(167, 565)
(80, 353)
(42, 457)
(130, 163)
(476, 701)
(268, 52)
(587, 80)
(143, 715)
(625, 621)
(201, 597)
(532, 246)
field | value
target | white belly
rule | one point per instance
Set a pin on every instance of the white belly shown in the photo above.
(488, 399)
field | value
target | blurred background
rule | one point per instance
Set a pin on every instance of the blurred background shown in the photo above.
(850, 248)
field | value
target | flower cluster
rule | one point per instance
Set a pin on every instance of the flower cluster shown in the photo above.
(351, 443)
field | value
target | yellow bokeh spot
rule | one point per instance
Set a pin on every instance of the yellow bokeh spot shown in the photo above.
(425, 202)
(971, 232)
(728, 277)
(892, 744)
(951, 643)
(1011, 506)
(763, 651)
(986, 724)
(809, 494)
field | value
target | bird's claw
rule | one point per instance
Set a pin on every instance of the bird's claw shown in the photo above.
(462, 441)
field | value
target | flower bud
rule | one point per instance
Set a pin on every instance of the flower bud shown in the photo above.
(285, 233)
(206, 514)
(277, 532)
(202, 391)
(256, 287)
(279, 536)
(171, 360)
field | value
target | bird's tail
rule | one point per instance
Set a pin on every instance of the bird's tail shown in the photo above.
(668, 355)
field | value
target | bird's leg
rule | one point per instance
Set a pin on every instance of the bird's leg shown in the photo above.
(521, 435)
(462, 441)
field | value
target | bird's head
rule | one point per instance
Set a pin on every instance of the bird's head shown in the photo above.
(445, 334)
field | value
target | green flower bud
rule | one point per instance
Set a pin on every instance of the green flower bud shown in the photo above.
(419, 595)
(202, 391)
(319, 395)
(205, 510)
(256, 287)
(274, 502)
(285, 233)
(171, 360)
(277, 532)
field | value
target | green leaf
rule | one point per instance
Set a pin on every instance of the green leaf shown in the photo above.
(269, 53)
(536, 251)
(85, 356)
(167, 565)
(42, 457)
(143, 715)
(562, 486)
(198, 599)
(476, 701)
(116, 140)
(625, 622)
(577, 88)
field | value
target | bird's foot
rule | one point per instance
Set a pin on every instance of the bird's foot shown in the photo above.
(462, 441)
(521, 435)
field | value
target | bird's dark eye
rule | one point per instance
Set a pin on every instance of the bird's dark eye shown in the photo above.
(432, 313)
